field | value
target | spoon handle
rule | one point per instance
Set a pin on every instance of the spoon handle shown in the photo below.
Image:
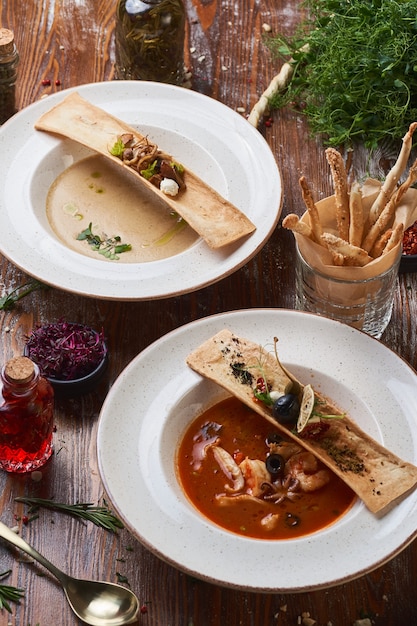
(10, 536)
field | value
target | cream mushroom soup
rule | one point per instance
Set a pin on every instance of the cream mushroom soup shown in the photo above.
(93, 191)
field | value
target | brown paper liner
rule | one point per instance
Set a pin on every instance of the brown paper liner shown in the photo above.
(321, 259)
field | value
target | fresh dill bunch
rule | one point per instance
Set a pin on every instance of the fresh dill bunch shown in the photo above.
(357, 78)
(98, 515)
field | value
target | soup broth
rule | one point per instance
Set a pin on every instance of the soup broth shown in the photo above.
(244, 434)
(96, 191)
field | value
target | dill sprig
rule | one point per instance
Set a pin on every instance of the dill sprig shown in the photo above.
(357, 79)
(9, 593)
(98, 515)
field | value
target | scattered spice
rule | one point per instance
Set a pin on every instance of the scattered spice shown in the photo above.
(242, 374)
(66, 351)
(410, 240)
(345, 459)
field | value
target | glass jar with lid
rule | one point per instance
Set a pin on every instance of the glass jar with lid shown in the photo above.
(149, 38)
(9, 60)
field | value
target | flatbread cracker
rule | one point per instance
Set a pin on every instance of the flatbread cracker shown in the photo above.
(213, 217)
(376, 475)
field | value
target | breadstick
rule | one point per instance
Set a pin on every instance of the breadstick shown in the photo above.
(383, 222)
(396, 237)
(337, 167)
(393, 176)
(356, 222)
(279, 83)
(315, 224)
(380, 243)
(356, 255)
(293, 222)
(411, 179)
(388, 212)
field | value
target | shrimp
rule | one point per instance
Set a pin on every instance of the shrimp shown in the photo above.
(255, 474)
(304, 468)
(230, 468)
(285, 448)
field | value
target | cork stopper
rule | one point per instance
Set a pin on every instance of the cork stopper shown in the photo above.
(19, 370)
(6, 41)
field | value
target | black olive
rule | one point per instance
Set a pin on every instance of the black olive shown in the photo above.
(286, 408)
(275, 464)
(292, 520)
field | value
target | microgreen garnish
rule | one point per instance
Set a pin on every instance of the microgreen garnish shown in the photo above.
(98, 515)
(109, 247)
(66, 351)
(355, 69)
(150, 170)
(9, 300)
(118, 148)
(9, 593)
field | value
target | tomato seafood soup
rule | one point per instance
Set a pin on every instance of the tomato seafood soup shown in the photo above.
(246, 478)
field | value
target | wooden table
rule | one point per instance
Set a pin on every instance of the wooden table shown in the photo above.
(71, 42)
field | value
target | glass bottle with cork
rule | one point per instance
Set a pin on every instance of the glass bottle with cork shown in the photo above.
(149, 38)
(26, 416)
(9, 60)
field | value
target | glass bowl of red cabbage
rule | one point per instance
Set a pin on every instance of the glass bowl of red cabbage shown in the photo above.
(72, 356)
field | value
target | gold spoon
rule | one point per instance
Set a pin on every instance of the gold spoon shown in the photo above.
(95, 603)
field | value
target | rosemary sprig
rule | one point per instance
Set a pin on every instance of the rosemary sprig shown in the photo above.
(8, 301)
(9, 593)
(99, 515)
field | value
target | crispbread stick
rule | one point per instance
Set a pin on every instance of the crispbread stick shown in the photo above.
(380, 243)
(383, 222)
(293, 222)
(393, 176)
(388, 212)
(356, 222)
(396, 236)
(337, 167)
(279, 83)
(356, 256)
(315, 224)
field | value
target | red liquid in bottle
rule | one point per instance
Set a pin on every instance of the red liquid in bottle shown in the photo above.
(26, 417)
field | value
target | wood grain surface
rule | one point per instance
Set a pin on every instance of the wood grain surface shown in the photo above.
(69, 43)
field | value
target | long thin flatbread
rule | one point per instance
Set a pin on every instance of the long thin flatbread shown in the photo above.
(376, 475)
(213, 217)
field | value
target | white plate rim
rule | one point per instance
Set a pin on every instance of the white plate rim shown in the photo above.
(208, 125)
(357, 544)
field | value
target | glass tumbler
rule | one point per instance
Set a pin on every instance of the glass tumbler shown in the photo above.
(365, 304)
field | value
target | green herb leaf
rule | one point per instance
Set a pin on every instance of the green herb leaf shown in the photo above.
(98, 515)
(118, 148)
(110, 247)
(150, 170)
(9, 300)
(9, 594)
